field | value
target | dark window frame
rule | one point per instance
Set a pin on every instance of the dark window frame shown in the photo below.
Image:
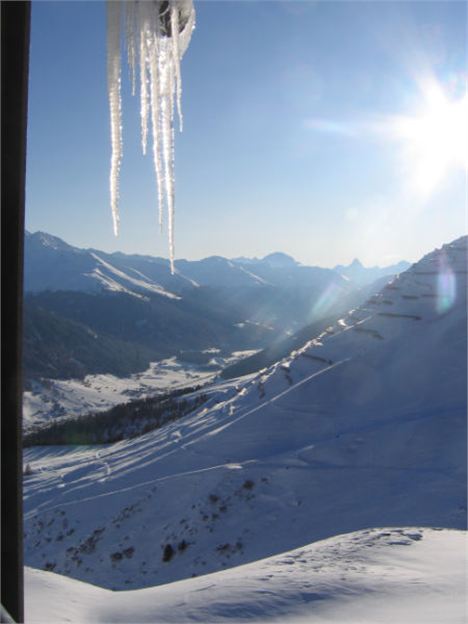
(15, 21)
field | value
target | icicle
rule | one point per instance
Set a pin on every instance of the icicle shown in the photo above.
(167, 145)
(161, 31)
(176, 59)
(113, 81)
(142, 13)
(130, 32)
(171, 193)
(154, 88)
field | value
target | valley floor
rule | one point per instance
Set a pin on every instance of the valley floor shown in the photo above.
(53, 399)
(375, 576)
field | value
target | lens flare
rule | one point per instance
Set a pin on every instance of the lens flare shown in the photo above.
(325, 302)
(446, 286)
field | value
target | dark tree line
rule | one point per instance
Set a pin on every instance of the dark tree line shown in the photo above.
(126, 420)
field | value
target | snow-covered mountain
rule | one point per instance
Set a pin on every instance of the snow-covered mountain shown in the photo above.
(52, 264)
(364, 426)
(88, 312)
(278, 294)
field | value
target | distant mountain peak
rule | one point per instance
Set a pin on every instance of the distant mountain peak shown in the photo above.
(361, 275)
(279, 259)
(48, 240)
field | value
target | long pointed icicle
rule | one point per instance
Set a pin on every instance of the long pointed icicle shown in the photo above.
(167, 144)
(158, 34)
(154, 90)
(176, 59)
(113, 80)
(130, 33)
(142, 36)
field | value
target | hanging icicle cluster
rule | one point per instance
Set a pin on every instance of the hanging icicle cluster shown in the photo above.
(157, 33)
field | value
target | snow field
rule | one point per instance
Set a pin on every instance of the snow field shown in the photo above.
(388, 576)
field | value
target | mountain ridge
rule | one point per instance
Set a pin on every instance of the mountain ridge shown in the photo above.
(74, 268)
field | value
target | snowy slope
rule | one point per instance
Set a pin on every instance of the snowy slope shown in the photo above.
(364, 427)
(389, 576)
(112, 278)
(52, 264)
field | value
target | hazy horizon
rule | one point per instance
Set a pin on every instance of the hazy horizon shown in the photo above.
(270, 253)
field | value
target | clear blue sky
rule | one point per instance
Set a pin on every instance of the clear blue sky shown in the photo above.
(305, 131)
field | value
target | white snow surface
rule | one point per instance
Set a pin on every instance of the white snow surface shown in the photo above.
(385, 576)
(141, 284)
(363, 427)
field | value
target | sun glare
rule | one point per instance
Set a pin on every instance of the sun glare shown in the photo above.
(435, 141)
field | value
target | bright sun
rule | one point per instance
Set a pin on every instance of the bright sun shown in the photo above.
(435, 142)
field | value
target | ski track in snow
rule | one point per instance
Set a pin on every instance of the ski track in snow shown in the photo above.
(266, 461)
